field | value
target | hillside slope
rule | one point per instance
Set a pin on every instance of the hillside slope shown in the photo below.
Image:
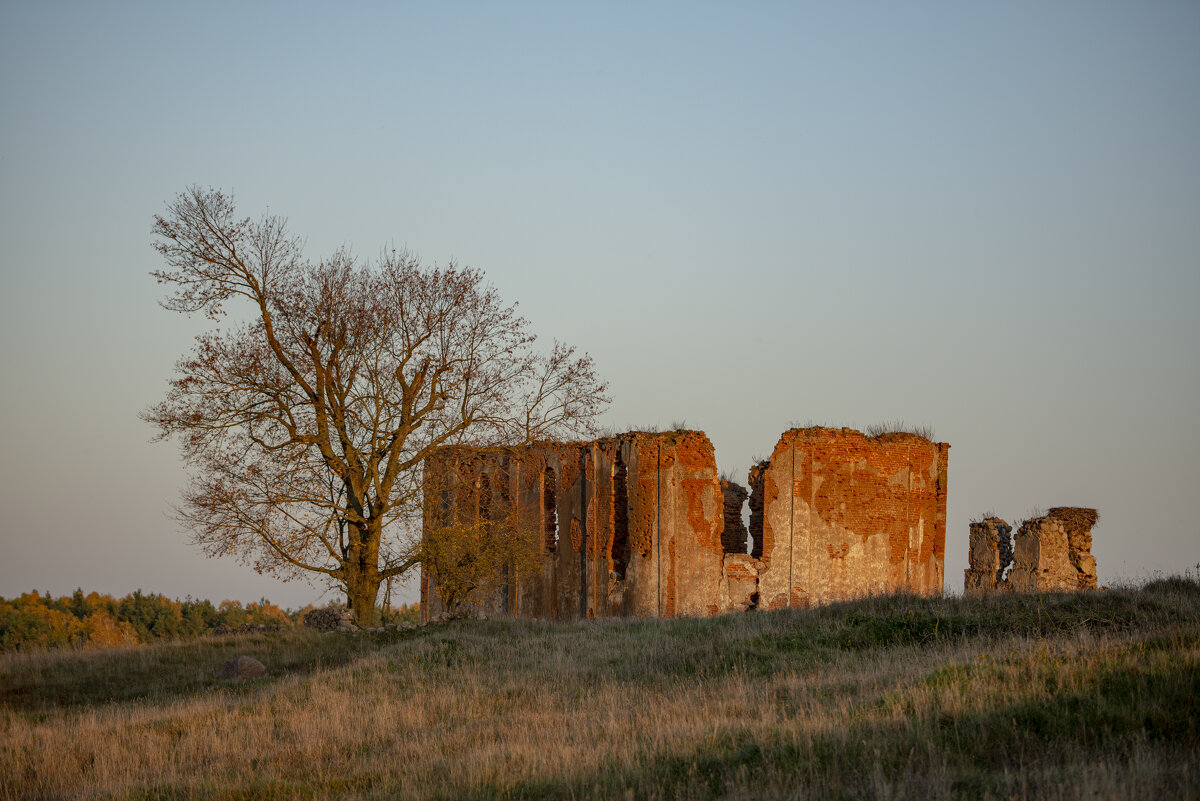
(1044, 696)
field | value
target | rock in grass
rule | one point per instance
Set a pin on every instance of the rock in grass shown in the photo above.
(330, 618)
(244, 667)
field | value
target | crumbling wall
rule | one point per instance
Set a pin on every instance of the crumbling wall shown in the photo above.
(1079, 522)
(847, 515)
(1049, 553)
(632, 525)
(990, 556)
(640, 524)
(1053, 552)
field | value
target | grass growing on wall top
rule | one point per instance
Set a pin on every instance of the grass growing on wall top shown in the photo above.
(1040, 696)
(899, 427)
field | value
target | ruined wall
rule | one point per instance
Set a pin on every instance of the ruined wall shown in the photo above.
(990, 556)
(1050, 553)
(640, 524)
(846, 515)
(1053, 552)
(638, 517)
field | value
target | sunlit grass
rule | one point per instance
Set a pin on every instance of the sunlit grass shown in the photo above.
(1058, 696)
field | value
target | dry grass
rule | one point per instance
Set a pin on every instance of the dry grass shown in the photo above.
(731, 477)
(1058, 696)
(899, 427)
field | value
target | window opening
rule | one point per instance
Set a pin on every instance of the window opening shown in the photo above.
(620, 541)
(550, 509)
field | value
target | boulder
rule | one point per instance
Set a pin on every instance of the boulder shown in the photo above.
(244, 667)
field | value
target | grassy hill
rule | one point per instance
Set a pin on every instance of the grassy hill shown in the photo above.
(1091, 695)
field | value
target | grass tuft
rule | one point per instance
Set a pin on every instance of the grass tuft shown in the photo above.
(899, 427)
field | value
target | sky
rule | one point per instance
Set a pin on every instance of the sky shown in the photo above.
(980, 217)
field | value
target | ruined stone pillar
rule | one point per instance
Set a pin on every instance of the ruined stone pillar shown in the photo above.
(991, 554)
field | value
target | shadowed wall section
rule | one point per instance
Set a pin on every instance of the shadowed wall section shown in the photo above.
(635, 525)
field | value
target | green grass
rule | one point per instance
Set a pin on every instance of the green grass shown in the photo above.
(42, 682)
(1019, 696)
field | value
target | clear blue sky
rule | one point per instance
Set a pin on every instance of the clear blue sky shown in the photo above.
(984, 217)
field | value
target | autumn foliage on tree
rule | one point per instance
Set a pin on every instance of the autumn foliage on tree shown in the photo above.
(305, 427)
(474, 542)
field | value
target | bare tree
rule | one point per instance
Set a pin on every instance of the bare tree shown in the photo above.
(305, 428)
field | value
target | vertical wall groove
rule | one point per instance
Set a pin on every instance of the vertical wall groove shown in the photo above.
(658, 525)
(792, 526)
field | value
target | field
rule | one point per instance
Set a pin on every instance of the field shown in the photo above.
(1091, 695)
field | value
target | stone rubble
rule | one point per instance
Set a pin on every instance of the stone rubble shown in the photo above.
(329, 618)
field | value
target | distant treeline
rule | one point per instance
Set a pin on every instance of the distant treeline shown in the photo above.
(36, 620)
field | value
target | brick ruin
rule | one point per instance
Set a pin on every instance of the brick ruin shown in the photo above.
(1049, 553)
(641, 524)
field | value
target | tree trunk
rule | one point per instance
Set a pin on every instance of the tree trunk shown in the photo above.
(362, 575)
(362, 590)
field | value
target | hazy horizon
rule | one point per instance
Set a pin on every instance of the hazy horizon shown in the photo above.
(982, 219)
